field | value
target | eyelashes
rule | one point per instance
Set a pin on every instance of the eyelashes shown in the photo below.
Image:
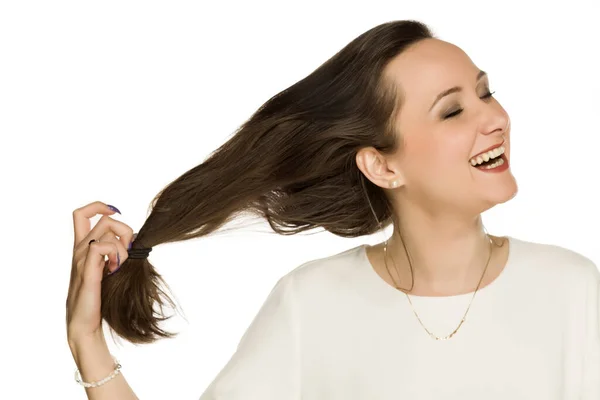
(455, 113)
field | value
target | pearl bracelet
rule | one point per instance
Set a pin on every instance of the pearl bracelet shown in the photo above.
(101, 381)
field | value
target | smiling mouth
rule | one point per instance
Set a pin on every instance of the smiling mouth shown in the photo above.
(498, 164)
(489, 157)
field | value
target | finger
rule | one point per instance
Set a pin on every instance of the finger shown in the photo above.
(94, 264)
(81, 218)
(104, 229)
(86, 301)
(110, 225)
(121, 255)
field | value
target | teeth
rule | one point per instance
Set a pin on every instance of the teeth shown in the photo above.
(487, 156)
(495, 164)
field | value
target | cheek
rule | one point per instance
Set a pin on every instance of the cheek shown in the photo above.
(448, 174)
(444, 157)
(438, 158)
(433, 165)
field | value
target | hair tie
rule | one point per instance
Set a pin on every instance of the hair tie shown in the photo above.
(139, 253)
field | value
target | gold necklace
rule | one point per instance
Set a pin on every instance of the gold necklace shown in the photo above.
(413, 283)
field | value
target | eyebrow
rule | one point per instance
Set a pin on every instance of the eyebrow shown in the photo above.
(454, 89)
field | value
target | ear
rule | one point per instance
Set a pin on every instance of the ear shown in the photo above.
(378, 169)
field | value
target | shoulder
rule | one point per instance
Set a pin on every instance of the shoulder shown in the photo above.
(553, 260)
(327, 273)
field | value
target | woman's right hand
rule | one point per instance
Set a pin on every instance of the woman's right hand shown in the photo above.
(89, 267)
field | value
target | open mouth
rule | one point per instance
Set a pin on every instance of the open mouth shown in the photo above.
(489, 159)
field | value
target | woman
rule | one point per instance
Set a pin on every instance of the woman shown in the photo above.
(398, 127)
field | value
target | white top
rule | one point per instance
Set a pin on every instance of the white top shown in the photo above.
(333, 329)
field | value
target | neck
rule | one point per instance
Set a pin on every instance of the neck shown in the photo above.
(445, 251)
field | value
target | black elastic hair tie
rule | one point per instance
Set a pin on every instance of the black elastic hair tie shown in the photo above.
(139, 253)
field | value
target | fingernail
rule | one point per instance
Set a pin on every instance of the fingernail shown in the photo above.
(118, 261)
(118, 267)
(113, 208)
(130, 243)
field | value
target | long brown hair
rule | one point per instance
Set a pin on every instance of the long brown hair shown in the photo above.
(292, 162)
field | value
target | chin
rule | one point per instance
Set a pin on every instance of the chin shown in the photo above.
(501, 194)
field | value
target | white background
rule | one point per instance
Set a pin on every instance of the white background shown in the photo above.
(111, 101)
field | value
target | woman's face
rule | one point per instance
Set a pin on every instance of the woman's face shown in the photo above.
(441, 134)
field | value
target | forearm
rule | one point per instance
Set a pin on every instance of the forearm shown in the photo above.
(94, 362)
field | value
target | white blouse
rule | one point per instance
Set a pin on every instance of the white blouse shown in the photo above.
(333, 329)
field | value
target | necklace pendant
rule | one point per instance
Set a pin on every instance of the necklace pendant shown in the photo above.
(440, 338)
(446, 337)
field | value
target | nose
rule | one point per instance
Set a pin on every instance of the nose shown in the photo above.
(495, 121)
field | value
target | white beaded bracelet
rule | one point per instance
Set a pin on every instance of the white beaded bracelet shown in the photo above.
(101, 381)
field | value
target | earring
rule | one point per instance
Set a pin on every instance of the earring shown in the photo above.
(394, 184)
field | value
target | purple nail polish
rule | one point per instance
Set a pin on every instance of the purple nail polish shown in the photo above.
(130, 243)
(113, 208)
(118, 268)
(118, 265)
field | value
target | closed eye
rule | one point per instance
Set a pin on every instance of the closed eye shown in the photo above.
(455, 113)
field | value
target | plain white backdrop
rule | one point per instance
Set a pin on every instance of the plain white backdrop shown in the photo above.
(111, 101)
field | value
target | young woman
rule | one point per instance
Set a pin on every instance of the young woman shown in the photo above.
(398, 128)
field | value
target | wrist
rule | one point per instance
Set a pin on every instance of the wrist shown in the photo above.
(92, 357)
(74, 339)
(81, 345)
